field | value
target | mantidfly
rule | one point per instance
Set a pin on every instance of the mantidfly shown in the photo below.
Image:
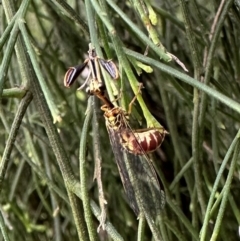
(130, 147)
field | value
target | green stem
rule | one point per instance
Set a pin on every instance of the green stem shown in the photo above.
(73, 15)
(177, 233)
(180, 174)
(3, 228)
(27, 75)
(13, 134)
(14, 93)
(146, 41)
(141, 227)
(209, 62)
(7, 56)
(183, 219)
(47, 93)
(187, 79)
(226, 189)
(141, 8)
(215, 186)
(176, 140)
(8, 30)
(53, 196)
(83, 174)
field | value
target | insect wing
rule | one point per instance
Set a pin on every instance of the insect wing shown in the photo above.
(72, 74)
(139, 179)
(150, 197)
(119, 158)
(110, 67)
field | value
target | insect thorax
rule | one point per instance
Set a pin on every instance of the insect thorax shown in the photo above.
(115, 118)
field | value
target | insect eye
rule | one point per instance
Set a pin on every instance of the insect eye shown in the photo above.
(88, 91)
(102, 87)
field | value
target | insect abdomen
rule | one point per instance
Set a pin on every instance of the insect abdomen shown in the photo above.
(140, 142)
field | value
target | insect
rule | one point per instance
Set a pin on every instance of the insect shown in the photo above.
(94, 74)
(130, 147)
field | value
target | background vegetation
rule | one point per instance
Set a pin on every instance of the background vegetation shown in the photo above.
(42, 123)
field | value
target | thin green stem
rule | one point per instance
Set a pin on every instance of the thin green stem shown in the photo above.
(183, 219)
(98, 167)
(196, 150)
(14, 92)
(8, 30)
(47, 93)
(53, 196)
(179, 235)
(141, 8)
(83, 173)
(234, 206)
(3, 228)
(152, 225)
(73, 15)
(41, 173)
(10, 13)
(209, 63)
(226, 188)
(7, 56)
(168, 110)
(77, 211)
(12, 135)
(162, 53)
(141, 227)
(184, 169)
(215, 187)
(163, 227)
(169, 16)
(187, 79)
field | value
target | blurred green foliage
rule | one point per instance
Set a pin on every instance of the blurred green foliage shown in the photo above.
(198, 163)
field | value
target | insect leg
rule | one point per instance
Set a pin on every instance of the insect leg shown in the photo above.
(134, 98)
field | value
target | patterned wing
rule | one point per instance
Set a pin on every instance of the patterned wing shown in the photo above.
(149, 196)
(119, 158)
(138, 177)
(110, 67)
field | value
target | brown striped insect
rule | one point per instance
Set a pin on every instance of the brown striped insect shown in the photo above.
(142, 141)
(130, 147)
